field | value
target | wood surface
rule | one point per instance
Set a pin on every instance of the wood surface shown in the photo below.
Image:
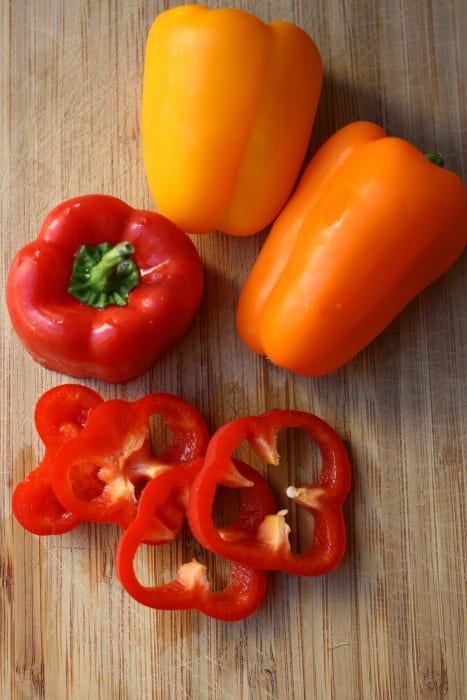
(390, 622)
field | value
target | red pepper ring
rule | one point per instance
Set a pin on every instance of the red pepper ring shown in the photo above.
(98, 476)
(62, 412)
(191, 590)
(269, 546)
(60, 415)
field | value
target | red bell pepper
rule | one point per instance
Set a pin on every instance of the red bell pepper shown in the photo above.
(269, 547)
(61, 414)
(100, 474)
(191, 589)
(104, 290)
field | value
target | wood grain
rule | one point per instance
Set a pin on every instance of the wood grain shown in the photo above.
(390, 623)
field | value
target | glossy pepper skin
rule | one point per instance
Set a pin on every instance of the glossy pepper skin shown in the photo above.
(122, 340)
(61, 414)
(191, 589)
(371, 224)
(267, 546)
(100, 474)
(227, 110)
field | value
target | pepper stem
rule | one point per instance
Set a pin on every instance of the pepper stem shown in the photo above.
(104, 274)
(435, 158)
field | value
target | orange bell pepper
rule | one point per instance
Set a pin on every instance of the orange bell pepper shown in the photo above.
(228, 106)
(371, 223)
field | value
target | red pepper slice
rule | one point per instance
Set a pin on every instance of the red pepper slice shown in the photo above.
(104, 290)
(269, 546)
(99, 475)
(191, 590)
(61, 413)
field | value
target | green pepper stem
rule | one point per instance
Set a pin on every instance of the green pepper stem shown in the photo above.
(435, 158)
(104, 274)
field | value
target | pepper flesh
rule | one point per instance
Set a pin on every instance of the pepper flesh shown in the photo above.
(191, 589)
(371, 223)
(228, 106)
(60, 415)
(268, 546)
(115, 343)
(100, 474)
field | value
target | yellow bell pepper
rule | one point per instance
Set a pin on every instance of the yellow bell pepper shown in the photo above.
(228, 106)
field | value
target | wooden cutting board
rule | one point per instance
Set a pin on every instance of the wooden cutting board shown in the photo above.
(390, 622)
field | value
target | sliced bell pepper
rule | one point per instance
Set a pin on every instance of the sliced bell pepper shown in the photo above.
(100, 474)
(228, 106)
(268, 546)
(191, 589)
(61, 413)
(371, 224)
(104, 290)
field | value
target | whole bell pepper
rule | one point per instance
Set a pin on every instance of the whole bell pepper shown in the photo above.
(372, 223)
(104, 290)
(228, 106)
